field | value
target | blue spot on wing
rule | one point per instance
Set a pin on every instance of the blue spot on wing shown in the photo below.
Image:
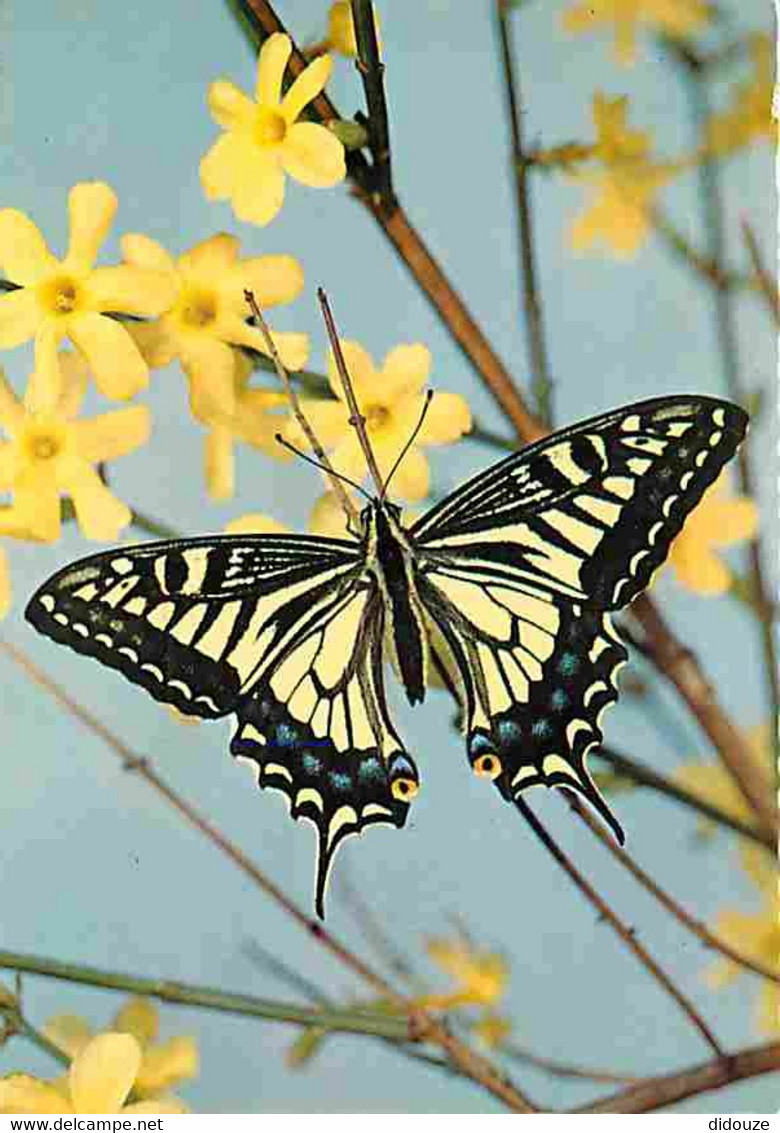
(568, 664)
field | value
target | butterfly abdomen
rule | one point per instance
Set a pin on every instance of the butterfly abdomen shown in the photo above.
(396, 572)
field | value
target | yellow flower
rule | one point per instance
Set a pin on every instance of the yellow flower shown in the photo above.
(163, 1064)
(50, 453)
(263, 139)
(391, 399)
(207, 313)
(756, 935)
(492, 1029)
(719, 520)
(327, 516)
(675, 18)
(623, 189)
(749, 117)
(481, 977)
(100, 1079)
(341, 29)
(714, 784)
(56, 298)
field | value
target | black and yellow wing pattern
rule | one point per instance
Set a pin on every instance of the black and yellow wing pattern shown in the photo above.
(507, 585)
(284, 631)
(521, 567)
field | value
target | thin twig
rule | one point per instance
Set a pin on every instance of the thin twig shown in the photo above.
(666, 1089)
(563, 1069)
(698, 928)
(421, 1025)
(373, 932)
(154, 527)
(371, 70)
(349, 508)
(626, 934)
(541, 381)
(767, 285)
(681, 668)
(645, 776)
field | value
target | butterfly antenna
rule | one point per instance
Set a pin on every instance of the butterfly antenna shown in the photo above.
(356, 418)
(410, 442)
(317, 449)
(315, 464)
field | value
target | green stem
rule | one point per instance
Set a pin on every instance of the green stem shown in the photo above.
(155, 527)
(212, 999)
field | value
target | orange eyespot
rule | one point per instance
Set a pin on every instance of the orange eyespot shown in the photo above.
(404, 789)
(487, 767)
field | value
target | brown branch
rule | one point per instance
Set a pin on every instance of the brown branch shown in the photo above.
(681, 668)
(666, 1089)
(626, 934)
(766, 284)
(537, 349)
(564, 1069)
(371, 70)
(698, 928)
(422, 1026)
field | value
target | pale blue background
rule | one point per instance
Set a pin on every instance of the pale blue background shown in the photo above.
(95, 868)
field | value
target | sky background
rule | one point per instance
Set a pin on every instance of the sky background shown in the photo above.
(96, 869)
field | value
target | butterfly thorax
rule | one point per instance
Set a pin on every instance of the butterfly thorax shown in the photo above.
(390, 558)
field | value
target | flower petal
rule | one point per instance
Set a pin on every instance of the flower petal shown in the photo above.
(37, 501)
(100, 514)
(91, 206)
(12, 415)
(739, 520)
(143, 252)
(209, 366)
(70, 1033)
(271, 65)
(306, 87)
(138, 1017)
(166, 1063)
(223, 166)
(272, 279)
(24, 254)
(293, 348)
(20, 317)
(102, 1075)
(258, 197)
(254, 523)
(128, 290)
(230, 107)
(45, 384)
(156, 341)
(405, 370)
(74, 375)
(412, 478)
(313, 155)
(111, 435)
(111, 353)
(448, 417)
(327, 516)
(698, 569)
(21, 1093)
(219, 463)
(328, 418)
(360, 367)
(210, 258)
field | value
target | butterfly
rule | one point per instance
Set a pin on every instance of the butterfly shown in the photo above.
(504, 588)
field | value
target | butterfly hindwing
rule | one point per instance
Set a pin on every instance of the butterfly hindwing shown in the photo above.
(533, 678)
(590, 512)
(316, 727)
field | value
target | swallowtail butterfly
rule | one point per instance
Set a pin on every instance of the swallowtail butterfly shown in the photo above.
(505, 587)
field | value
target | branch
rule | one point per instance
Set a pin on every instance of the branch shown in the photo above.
(698, 928)
(666, 1089)
(766, 284)
(421, 1025)
(371, 71)
(646, 777)
(537, 350)
(626, 934)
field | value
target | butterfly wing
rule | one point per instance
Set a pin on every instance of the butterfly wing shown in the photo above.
(519, 568)
(285, 631)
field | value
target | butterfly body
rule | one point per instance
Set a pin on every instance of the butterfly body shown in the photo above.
(505, 588)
